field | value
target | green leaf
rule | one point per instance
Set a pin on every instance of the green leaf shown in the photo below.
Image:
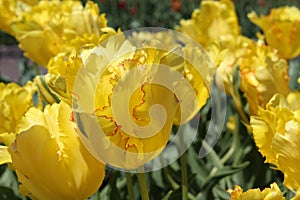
(229, 170)
(7, 193)
(9, 180)
(294, 73)
(157, 177)
(167, 196)
(221, 173)
(197, 166)
(114, 193)
(219, 192)
(176, 194)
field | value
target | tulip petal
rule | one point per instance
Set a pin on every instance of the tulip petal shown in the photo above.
(281, 27)
(4, 155)
(49, 158)
(214, 20)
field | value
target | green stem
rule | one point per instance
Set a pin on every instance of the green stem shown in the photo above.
(129, 186)
(235, 140)
(173, 184)
(36, 69)
(98, 195)
(143, 185)
(141, 12)
(184, 176)
(213, 156)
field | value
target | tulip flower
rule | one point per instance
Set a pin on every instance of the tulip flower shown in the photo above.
(228, 53)
(261, 71)
(49, 158)
(59, 64)
(281, 28)
(10, 11)
(276, 134)
(263, 74)
(214, 20)
(49, 27)
(52, 89)
(163, 38)
(127, 99)
(53, 86)
(256, 194)
(14, 102)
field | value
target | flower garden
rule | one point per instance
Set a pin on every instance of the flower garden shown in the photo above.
(175, 99)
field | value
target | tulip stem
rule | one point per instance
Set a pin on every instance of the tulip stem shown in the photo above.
(184, 176)
(129, 186)
(36, 69)
(143, 185)
(234, 145)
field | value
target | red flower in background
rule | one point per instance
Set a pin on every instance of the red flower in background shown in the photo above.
(122, 4)
(133, 10)
(176, 5)
(261, 3)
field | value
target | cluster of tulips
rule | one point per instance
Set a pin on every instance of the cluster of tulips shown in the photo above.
(55, 157)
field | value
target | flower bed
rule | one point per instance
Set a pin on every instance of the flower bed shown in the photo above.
(117, 106)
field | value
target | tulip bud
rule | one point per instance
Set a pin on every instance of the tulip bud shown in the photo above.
(53, 88)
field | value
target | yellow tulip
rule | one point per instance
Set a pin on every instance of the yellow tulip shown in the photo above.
(49, 27)
(297, 195)
(214, 20)
(276, 133)
(14, 102)
(60, 63)
(161, 39)
(10, 11)
(53, 89)
(281, 28)
(30, 2)
(262, 72)
(227, 54)
(49, 158)
(4, 155)
(119, 86)
(56, 85)
(272, 193)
